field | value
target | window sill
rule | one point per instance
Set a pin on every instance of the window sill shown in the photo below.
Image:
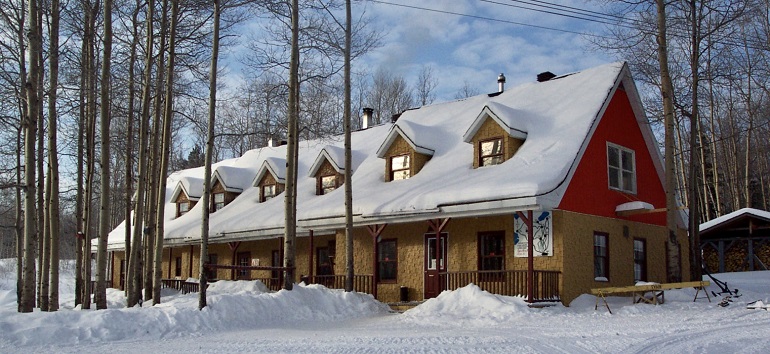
(602, 279)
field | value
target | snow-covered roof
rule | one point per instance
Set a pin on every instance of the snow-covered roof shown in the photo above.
(336, 157)
(558, 117)
(506, 117)
(418, 136)
(233, 179)
(761, 214)
(276, 166)
(191, 186)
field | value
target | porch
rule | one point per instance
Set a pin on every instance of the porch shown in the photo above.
(507, 282)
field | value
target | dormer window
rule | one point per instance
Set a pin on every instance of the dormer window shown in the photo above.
(182, 208)
(491, 152)
(496, 135)
(219, 201)
(268, 192)
(326, 184)
(399, 167)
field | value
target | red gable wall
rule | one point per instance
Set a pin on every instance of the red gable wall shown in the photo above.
(589, 192)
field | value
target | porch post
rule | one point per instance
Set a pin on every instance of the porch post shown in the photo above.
(233, 248)
(375, 231)
(530, 255)
(192, 248)
(310, 258)
(170, 259)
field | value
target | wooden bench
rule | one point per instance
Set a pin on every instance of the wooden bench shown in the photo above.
(648, 293)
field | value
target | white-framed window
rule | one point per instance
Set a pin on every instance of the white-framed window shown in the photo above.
(327, 184)
(621, 168)
(269, 191)
(219, 201)
(184, 207)
(399, 167)
(491, 152)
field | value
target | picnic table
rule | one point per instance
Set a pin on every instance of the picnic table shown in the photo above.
(650, 293)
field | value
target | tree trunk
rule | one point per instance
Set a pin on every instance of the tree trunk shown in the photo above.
(30, 130)
(100, 294)
(207, 165)
(53, 157)
(129, 182)
(666, 90)
(135, 267)
(168, 115)
(350, 271)
(693, 190)
(290, 232)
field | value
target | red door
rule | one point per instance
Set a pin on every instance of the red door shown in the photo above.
(435, 262)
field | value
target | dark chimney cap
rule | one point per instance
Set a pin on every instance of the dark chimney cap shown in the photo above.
(545, 76)
(368, 110)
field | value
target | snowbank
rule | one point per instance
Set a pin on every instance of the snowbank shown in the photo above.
(468, 305)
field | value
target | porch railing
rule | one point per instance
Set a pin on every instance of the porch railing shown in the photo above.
(362, 283)
(506, 282)
(181, 285)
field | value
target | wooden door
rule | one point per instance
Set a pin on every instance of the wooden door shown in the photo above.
(435, 263)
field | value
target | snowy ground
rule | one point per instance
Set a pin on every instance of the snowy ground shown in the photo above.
(242, 317)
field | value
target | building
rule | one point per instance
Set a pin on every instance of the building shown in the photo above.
(445, 195)
(737, 242)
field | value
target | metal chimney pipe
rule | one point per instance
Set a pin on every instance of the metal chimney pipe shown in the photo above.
(366, 120)
(501, 83)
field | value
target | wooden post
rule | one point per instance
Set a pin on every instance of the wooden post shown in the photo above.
(192, 249)
(375, 231)
(310, 259)
(170, 259)
(233, 249)
(530, 255)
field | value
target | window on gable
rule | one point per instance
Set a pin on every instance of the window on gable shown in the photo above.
(621, 168)
(327, 184)
(399, 167)
(219, 201)
(491, 152)
(269, 191)
(387, 261)
(640, 260)
(182, 208)
(601, 257)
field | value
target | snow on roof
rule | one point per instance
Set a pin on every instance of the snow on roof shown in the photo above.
(734, 215)
(558, 117)
(418, 136)
(506, 117)
(276, 166)
(191, 186)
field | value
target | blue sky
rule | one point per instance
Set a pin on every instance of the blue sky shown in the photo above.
(477, 49)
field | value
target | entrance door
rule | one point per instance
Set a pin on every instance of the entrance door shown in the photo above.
(434, 266)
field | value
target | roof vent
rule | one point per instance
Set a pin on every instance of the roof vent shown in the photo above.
(366, 120)
(545, 76)
(501, 83)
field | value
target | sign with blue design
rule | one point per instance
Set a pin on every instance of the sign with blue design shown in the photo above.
(543, 240)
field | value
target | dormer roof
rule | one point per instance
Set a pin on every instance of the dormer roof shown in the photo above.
(191, 186)
(336, 157)
(276, 166)
(506, 117)
(418, 137)
(233, 179)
